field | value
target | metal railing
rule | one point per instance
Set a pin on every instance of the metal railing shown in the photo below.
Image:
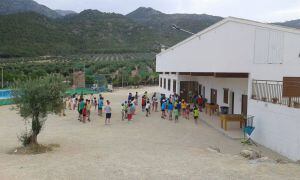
(271, 91)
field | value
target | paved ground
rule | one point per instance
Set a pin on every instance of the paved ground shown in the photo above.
(149, 148)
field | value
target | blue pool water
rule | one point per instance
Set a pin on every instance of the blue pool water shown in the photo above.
(5, 94)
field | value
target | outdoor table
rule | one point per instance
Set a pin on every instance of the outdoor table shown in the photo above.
(231, 117)
(211, 108)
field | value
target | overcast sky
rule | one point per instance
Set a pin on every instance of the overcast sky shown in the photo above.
(260, 10)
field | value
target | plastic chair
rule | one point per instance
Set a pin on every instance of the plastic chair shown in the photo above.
(248, 129)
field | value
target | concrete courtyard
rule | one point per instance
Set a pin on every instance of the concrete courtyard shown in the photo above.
(149, 148)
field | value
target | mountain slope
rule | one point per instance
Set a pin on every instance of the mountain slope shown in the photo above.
(162, 23)
(31, 34)
(108, 31)
(17, 6)
(293, 23)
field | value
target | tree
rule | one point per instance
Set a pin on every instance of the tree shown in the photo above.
(35, 99)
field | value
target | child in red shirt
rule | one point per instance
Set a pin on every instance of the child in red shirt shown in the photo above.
(84, 113)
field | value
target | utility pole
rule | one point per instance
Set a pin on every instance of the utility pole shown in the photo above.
(122, 81)
(2, 78)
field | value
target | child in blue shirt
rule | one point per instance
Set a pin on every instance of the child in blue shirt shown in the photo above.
(170, 110)
(163, 109)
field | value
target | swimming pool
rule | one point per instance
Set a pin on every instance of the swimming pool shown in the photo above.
(5, 94)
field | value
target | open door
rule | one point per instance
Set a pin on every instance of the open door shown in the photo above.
(213, 96)
(188, 89)
(200, 89)
(244, 104)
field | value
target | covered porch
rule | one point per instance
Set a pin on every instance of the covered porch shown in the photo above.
(234, 131)
(229, 90)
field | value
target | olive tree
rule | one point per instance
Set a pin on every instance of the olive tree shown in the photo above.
(35, 99)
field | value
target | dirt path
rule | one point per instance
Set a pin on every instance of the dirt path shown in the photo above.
(149, 148)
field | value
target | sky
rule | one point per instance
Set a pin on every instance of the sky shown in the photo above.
(259, 10)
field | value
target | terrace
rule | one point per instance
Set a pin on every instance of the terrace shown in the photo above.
(272, 92)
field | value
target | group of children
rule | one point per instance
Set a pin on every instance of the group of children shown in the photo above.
(171, 107)
(84, 110)
(84, 107)
(174, 106)
(129, 106)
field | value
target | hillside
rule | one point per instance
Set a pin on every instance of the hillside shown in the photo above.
(100, 31)
(31, 34)
(17, 6)
(162, 23)
(40, 31)
(293, 23)
(91, 31)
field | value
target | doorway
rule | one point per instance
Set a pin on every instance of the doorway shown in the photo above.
(200, 89)
(244, 105)
(213, 96)
(188, 89)
(231, 103)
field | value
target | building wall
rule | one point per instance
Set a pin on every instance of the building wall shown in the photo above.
(231, 48)
(172, 77)
(276, 127)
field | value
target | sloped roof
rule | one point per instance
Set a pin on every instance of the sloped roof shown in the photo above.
(237, 20)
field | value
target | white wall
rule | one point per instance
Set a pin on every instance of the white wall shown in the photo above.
(172, 77)
(276, 127)
(230, 48)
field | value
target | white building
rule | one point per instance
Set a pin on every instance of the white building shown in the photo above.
(241, 64)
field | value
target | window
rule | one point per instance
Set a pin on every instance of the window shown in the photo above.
(226, 95)
(268, 46)
(160, 82)
(174, 86)
(169, 84)
(164, 83)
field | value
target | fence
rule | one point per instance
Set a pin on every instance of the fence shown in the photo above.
(271, 91)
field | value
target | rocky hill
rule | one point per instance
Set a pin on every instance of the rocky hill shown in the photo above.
(18, 6)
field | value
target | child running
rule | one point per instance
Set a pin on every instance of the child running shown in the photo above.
(196, 114)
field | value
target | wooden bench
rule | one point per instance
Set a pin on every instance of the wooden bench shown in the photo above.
(231, 117)
(211, 108)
